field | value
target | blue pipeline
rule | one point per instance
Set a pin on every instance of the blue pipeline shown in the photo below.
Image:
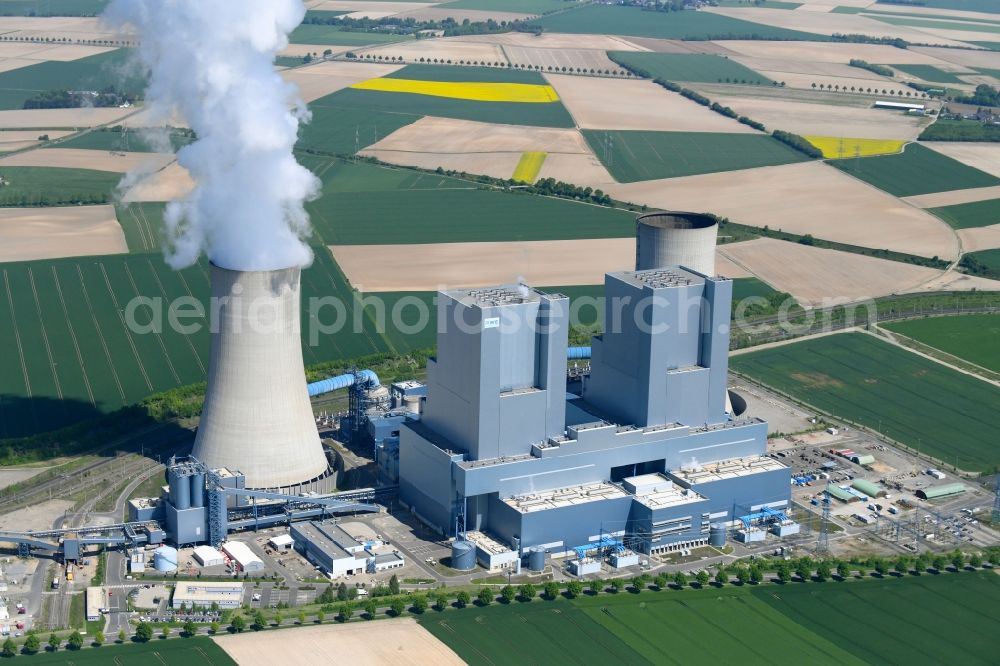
(340, 382)
(574, 353)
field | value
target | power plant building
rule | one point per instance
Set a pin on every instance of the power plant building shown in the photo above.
(642, 452)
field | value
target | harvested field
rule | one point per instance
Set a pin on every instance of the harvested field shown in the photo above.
(454, 49)
(473, 15)
(981, 238)
(60, 118)
(495, 165)
(430, 266)
(963, 57)
(361, 5)
(172, 182)
(830, 23)
(583, 169)
(323, 78)
(57, 29)
(816, 276)
(833, 52)
(398, 641)
(549, 40)
(954, 197)
(815, 199)
(806, 118)
(588, 60)
(982, 156)
(52, 232)
(601, 104)
(98, 160)
(20, 139)
(809, 67)
(806, 82)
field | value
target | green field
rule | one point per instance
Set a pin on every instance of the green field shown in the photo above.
(33, 186)
(518, 6)
(974, 214)
(989, 260)
(344, 130)
(911, 399)
(763, 4)
(114, 139)
(52, 7)
(467, 74)
(917, 170)
(317, 33)
(142, 224)
(634, 22)
(988, 6)
(196, 651)
(640, 155)
(750, 287)
(928, 73)
(687, 67)
(918, 620)
(411, 106)
(92, 73)
(945, 25)
(975, 338)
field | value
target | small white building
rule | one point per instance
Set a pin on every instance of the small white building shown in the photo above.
(282, 542)
(244, 558)
(207, 556)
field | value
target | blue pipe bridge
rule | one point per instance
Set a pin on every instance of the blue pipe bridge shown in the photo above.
(604, 544)
(766, 514)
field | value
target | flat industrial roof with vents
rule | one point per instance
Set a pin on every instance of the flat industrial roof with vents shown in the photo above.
(657, 491)
(660, 278)
(728, 469)
(563, 497)
(505, 294)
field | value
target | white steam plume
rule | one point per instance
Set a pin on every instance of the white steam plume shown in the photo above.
(210, 62)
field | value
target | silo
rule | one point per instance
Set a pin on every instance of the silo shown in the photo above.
(463, 556)
(180, 490)
(669, 238)
(536, 558)
(412, 404)
(257, 418)
(197, 490)
(165, 559)
(717, 535)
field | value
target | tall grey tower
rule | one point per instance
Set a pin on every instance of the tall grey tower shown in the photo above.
(670, 238)
(257, 416)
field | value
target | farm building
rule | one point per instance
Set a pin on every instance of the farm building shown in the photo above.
(204, 594)
(245, 558)
(207, 556)
(938, 492)
(868, 488)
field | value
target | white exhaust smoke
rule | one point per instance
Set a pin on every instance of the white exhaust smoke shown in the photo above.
(210, 63)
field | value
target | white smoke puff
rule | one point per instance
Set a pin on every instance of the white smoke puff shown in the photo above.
(210, 63)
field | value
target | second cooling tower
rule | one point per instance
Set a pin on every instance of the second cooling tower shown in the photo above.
(257, 417)
(670, 238)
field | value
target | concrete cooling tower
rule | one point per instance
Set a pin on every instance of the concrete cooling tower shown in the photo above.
(668, 238)
(257, 418)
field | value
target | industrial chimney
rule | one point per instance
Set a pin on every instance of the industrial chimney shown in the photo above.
(667, 239)
(257, 417)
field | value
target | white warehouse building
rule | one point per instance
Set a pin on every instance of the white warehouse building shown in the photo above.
(244, 558)
(207, 556)
(204, 594)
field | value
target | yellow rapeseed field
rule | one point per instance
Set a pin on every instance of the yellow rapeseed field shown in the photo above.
(835, 147)
(528, 166)
(476, 91)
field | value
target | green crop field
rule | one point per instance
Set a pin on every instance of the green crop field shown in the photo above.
(687, 67)
(916, 401)
(33, 186)
(368, 204)
(52, 7)
(975, 338)
(550, 114)
(928, 73)
(196, 651)
(943, 25)
(519, 6)
(131, 141)
(344, 130)
(466, 74)
(634, 22)
(989, 260)
(974, 214)
(750, 287)
(988, 6)
(917, 620)
(142, 224)
(917, 170)
(764, 4)
(317, 33)
(639, 155)
(92, 73)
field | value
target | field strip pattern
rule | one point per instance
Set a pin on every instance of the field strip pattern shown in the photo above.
(478, 91)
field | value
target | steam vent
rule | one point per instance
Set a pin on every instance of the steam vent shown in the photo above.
(257, 416)
(670, 238)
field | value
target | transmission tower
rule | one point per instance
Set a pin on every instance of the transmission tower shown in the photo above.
(823, 543)
(995, 518)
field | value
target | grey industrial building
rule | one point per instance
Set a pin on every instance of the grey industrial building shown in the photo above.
(642, 452)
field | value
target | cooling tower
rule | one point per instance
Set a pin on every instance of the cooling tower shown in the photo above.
(257, 417)
(669, 238)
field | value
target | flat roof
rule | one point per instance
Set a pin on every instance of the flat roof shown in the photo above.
(282, 540)
(502, 294)
(207, 552)
(656, 491)
(220, 592)
(563, 497)
(97, 598)
(486, 542)
(240, 552)
(727, 469)
(328, 540)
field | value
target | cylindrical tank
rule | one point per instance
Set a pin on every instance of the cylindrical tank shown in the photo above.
(197, 490)
(257, 418)
(536, 558)
(463, 556)
(180, 490)
(411, 404)
(717, 535)
(165, 558)
(666, 239)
